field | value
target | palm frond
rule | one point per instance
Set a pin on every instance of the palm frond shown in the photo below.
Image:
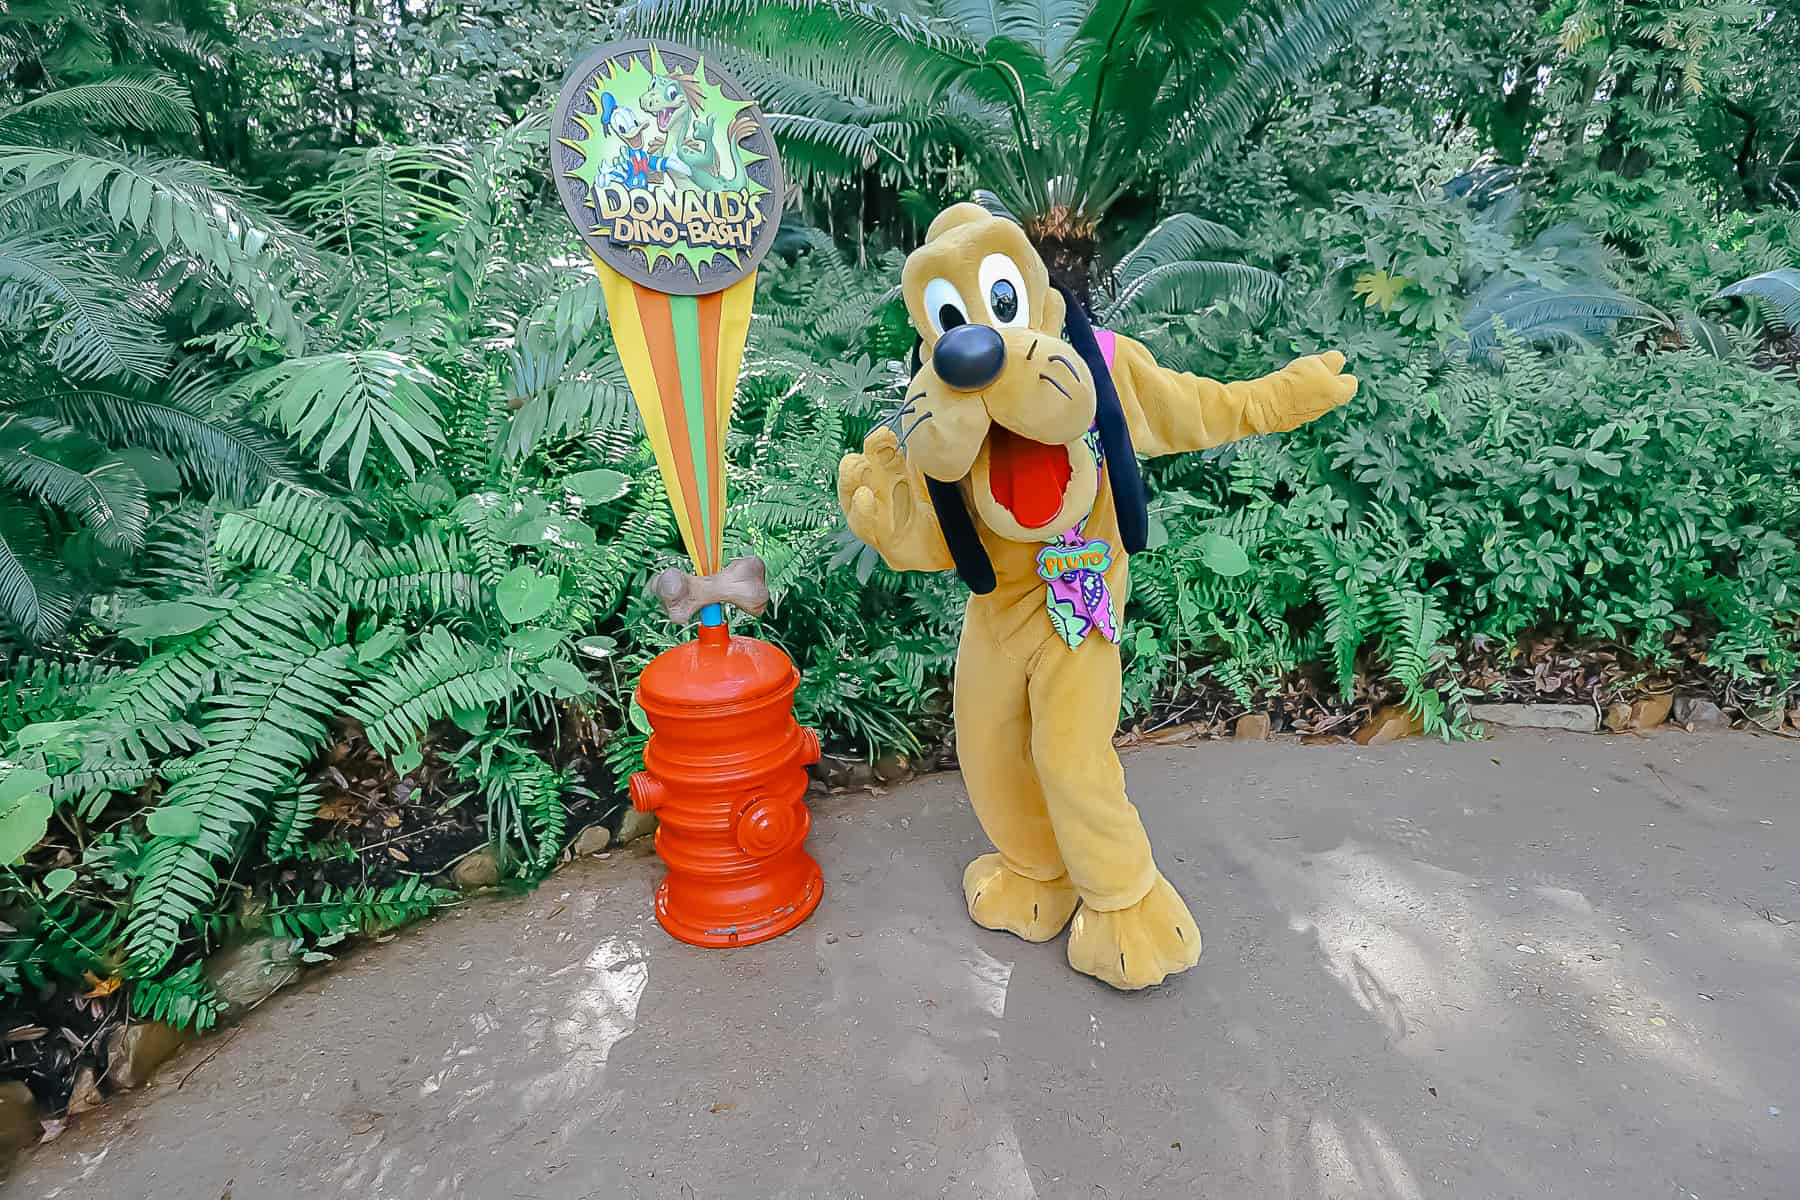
(147, 101)
(34, 594)
(94, 325)
(444, 675)
(1581, 315)
(233, 459)
(853, 49)
(829, 148)
(55, 465)
(1779, 290)
(182, 204)
(482, 198)
(1045, 26)
(1179, 287)
(1214, 108)
(1704, 335)
(556, 393)
(288, 530)
(1178, 238)
(344, 400)
(145, 710)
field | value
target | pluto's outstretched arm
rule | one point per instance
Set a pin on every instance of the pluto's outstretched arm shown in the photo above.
(888, 507)
(1171, 412)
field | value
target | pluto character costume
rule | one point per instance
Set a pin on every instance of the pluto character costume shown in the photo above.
(1022, 424)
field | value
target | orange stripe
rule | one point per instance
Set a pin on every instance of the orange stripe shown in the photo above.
(709, 389)
(659, 336)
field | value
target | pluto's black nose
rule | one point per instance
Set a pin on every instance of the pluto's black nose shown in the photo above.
(969, 357)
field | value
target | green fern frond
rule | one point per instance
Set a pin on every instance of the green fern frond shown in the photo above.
(88, 787)
(142, 712)
(443, 675)
(261, 731)
(234, 460)
(1413, 632)
(289, 529)
(481, 198)
(184, 999)
(60, 947)
(481, 515)
(178, 558)
(428, 574)
(291, 811)
(47, 689)
(338, 912)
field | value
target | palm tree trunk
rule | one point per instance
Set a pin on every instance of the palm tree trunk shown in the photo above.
(1066, 240)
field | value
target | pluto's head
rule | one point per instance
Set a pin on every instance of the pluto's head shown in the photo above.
(1007, 386)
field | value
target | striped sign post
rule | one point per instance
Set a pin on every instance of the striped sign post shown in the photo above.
(668, 169)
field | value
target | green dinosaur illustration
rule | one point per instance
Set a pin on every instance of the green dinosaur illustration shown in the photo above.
(715, 163)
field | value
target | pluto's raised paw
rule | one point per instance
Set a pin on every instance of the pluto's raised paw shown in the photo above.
(1002, 899)
(1307, 389)
(1136, 947)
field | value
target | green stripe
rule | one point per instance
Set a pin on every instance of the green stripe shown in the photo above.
(684, 313)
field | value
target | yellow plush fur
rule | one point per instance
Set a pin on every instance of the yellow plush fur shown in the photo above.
(1034, 718)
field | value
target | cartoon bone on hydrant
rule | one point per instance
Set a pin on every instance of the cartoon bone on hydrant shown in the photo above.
(1020, 471)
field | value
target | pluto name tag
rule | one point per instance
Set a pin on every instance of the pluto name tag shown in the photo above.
(1053, 562)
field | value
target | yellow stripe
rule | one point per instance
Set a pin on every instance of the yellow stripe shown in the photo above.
(734, 328)
(634, 356)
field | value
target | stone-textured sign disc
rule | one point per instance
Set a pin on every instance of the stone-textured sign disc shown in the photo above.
(667, 167)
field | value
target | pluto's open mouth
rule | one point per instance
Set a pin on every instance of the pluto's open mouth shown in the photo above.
(1027, 478)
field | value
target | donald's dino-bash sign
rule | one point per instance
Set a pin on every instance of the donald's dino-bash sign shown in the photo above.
(666, 166)
(669, 172)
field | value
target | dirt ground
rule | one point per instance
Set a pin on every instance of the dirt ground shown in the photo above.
(1526, 967)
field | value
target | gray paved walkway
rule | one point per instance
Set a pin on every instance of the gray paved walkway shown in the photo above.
(1529, 967)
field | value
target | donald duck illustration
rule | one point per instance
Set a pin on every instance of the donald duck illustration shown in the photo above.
(637, 161)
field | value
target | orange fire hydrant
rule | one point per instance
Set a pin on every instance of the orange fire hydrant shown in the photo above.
(726, 777)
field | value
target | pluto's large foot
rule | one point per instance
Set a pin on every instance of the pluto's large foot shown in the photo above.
(1003, 899)
(1139, 946)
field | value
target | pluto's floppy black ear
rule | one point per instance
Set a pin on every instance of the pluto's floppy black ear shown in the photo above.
(966, 550)
(1115, 436)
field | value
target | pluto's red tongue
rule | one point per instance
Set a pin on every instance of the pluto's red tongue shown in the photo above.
(1028, 478)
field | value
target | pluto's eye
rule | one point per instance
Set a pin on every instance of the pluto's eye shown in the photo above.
(1004, 286)
(944, 306)
(1004, 300)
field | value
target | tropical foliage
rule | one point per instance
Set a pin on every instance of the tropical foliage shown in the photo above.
(325, 517)
(1062, 109)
